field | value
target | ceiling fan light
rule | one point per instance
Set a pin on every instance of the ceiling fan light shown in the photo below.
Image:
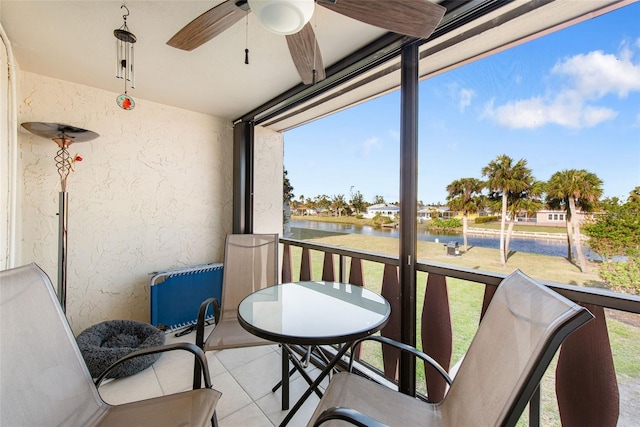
(283, 16)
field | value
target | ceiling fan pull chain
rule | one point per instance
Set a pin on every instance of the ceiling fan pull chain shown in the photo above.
(314, 79)
(246, 40)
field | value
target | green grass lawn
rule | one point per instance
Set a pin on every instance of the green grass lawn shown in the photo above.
(466, 298)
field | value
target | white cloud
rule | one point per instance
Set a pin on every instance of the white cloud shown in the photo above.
(460, 95)
(370, 144)
(591, 116)
(536, 112)
(590, 77)
(597, 74)
(464, 98)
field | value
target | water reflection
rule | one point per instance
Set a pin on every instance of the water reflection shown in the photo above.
(553, 247)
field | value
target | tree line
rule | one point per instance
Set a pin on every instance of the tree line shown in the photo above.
(509, 186)
(337, 204)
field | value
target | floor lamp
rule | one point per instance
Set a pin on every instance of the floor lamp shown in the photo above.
(63, 135)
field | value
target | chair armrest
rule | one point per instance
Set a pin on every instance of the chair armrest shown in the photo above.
(200, 324)
(349, 415)
(201, 319)
(402, 347)
(199, 356)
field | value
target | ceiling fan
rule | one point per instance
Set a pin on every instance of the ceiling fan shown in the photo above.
(416, 18)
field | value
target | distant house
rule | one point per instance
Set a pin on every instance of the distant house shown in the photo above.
(555, 218)
(385, 210)
(435, 211)
(302, 210)
(525, 217)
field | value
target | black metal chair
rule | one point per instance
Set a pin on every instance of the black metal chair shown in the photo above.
(45, 380)
(520, 333)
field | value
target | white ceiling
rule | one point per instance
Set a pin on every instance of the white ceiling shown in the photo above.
(73, 41)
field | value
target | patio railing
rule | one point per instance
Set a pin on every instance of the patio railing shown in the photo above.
(585, 379)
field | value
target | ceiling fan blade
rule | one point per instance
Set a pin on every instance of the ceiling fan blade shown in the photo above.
(207, 26)
(305, 53)
(417, 18)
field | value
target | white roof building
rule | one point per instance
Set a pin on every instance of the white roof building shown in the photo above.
(384, 210)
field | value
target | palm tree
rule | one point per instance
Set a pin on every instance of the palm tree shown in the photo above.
(527, 201)
(572, 189)
(634, 196)
(322, 203)
(503, 178)
(379, 200)
(311, 205)
(338, 204)
(358, 202)
(464, 195)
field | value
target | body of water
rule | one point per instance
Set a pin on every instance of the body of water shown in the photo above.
(554, 247)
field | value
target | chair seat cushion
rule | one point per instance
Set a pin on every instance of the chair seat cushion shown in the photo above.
(104, 343)
(376, 401)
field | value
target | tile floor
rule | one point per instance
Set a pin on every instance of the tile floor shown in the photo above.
(244, 376)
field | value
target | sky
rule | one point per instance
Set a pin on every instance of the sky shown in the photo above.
(569, 100)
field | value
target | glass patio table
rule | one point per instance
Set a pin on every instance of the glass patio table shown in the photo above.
(312, 313)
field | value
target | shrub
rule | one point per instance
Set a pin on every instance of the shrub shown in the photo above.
(445, 224)
(379, 219)
(483, 219)
(622, 276)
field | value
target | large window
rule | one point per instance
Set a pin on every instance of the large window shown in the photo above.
(561, 107)
(567, 101)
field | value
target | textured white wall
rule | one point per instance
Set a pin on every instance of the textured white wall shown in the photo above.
(267, 183)
(154, 191)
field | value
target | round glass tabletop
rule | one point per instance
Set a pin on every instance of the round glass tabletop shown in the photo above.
(313, 313)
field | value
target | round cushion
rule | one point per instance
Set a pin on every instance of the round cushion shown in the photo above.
(104, 343)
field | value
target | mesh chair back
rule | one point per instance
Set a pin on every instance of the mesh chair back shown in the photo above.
(507, 366)
(250, 264)
(44, 378)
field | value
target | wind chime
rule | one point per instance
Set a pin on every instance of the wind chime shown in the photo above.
(125, 70)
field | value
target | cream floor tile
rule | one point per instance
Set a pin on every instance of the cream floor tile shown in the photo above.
(143, 385)
(234, 357)
(258, 376)
(233, 396)
(246, 400)
(176, 376)
(170, 357)
(271, 404)
(215, 366)
(248, 416)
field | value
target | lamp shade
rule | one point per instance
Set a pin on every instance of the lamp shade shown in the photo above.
(283, 16)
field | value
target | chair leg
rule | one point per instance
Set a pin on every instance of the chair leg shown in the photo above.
(214, 420)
